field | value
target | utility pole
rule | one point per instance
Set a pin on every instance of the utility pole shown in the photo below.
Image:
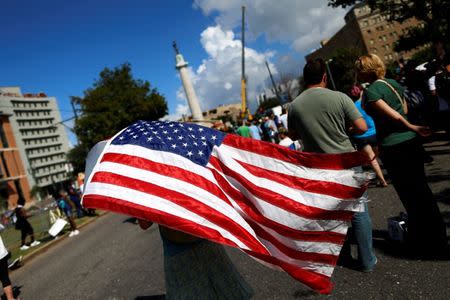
(273, 83)
(243, 79)
(74, 110)
(329, 72)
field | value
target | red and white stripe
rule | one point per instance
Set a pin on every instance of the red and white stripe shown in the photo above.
(283, 207)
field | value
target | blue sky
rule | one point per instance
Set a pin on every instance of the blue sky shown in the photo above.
(60, 47)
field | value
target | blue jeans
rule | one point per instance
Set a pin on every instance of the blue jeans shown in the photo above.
(362, 231)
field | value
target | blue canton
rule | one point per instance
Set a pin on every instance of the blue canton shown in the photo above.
(191, 141)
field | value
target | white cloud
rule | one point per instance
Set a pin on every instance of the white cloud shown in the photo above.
(218, 79)
(301, 23)
(181, 109)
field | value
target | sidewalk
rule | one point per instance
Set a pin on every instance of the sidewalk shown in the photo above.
(47, 240)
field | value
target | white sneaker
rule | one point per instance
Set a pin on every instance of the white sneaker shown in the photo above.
(35, 243)
(72, 233)
(76, 232)
(24, 247)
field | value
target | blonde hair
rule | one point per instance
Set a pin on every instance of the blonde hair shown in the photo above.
(370, 67)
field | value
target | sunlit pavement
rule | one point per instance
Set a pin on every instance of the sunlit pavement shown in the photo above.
(113, 259)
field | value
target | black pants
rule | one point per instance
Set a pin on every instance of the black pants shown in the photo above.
(25, 230)
(4, 278)
(404, 164)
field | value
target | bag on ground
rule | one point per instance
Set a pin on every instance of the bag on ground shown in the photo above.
(57, 227)
(397, 227)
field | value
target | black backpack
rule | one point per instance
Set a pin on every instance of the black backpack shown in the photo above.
(443, 83)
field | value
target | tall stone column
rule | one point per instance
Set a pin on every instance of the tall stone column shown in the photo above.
(194, 105)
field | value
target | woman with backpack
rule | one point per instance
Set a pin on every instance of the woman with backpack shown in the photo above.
(401, 152)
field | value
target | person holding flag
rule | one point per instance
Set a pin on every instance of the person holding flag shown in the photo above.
(285, 208)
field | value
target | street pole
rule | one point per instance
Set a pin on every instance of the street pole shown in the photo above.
(329, 72)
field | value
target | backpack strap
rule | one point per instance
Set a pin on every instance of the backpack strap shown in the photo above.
(401, 99)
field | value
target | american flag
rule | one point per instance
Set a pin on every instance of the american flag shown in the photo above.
(285, 208)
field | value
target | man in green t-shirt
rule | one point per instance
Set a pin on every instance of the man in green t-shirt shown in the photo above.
(322, 118)
(244, 130)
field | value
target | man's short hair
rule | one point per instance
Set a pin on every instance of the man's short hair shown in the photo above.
(313, 71)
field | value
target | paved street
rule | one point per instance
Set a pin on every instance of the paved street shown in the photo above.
(114, 259)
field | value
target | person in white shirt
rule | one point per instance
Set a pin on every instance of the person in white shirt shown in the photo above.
(285, 141)
(4, 276)
(283, 118)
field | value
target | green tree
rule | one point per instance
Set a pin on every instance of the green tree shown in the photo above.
(115, 101)
(433, 14)
(342, 68)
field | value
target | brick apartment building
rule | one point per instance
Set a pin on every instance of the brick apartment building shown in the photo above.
(366, 31)
(13, 180)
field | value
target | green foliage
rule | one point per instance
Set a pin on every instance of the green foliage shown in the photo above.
(342, 68)
(36, 191)
(77, 157)
(432, 13)
(115, 101)
(424, 55)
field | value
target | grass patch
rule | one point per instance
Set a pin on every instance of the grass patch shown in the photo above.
(41, 225)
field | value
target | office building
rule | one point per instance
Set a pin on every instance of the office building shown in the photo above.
(40, 136)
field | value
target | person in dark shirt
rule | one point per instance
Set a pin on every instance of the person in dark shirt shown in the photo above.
(402, 155)
(25, 227)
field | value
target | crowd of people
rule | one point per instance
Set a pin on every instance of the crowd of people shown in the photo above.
(388, 119)
(385, 118)
(271, 128)
(378, 117)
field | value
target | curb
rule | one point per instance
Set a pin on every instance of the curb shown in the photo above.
(31, 255)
